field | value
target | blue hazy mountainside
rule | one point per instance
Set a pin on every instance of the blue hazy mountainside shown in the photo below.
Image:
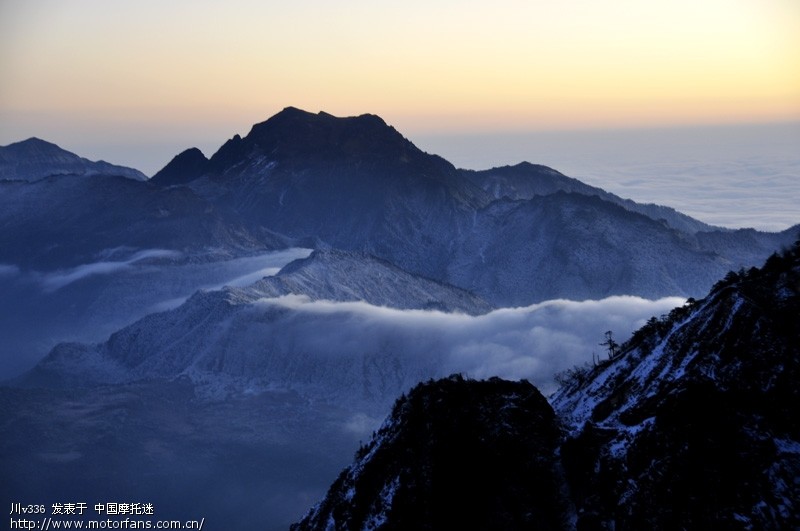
(263, 307)
(34, 159)
(744, 175)
(357, 184)
(318, 181)
(512, 235)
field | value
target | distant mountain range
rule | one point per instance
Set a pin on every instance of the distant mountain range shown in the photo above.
(230, 340)
(525, 181)
(512, 236)
(34, 159)
(339, 240)
(692, 424)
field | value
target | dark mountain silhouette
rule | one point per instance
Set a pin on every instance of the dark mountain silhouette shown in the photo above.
(185, 167)
(454, 454)
(512, 235)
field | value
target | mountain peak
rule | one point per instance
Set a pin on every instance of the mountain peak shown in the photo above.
(35, 146)
(33, 159)
(183, 168)
(35, 141)
(354, 275)
(296, 132)
(297, 141)
(296, 114)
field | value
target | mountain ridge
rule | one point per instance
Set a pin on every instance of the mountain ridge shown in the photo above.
(357, 184)
(526, 180)
(691, 424)
(706, 396)
(227, 340)
(35, 159)
(266, 382)
(99, 212)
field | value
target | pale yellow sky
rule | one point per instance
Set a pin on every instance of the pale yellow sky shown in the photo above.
(156, 68)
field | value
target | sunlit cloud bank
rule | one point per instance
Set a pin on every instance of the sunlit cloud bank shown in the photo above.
(533, 342)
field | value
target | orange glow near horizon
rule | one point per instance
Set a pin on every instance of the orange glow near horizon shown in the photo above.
(452, 66)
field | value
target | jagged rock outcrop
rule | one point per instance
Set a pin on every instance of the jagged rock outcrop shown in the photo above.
(694, 424)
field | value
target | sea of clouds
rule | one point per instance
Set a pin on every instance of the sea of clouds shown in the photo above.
(533, 342)
(733, 176)
(86, 303)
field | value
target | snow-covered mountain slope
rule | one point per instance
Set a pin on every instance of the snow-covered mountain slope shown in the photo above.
(582, 247)
(351, 276)
(357, 184)
(236, 339)
(700, 406)
(514, 236)
(88, 302)
(454, 454)
(691, 424)
(34, 159)
(69, 240)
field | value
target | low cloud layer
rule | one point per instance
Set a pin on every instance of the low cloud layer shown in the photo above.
(732, 176)
(533, 342)
(122, 286)
(59, 279)
(242, 272)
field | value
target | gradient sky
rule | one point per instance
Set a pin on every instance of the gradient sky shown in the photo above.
(177, 73)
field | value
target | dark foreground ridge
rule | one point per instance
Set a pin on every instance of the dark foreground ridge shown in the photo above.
(692, 425)
(454, 454)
